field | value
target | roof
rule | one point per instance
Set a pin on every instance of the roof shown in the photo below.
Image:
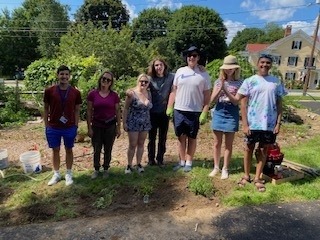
(300, 34)
(256, 47)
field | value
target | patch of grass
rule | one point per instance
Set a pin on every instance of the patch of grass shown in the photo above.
(301, 190)
(297, 130)
(307, 153)
(63, 212)
(200, 183)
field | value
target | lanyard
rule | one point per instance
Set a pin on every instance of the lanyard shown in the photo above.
(63, 98)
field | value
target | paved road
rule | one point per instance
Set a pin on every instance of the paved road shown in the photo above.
(298, 92)
(298, 221)
(313, 106)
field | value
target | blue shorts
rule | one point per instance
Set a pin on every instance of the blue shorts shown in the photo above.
(54, 136)
(186, 123)
(260, 136)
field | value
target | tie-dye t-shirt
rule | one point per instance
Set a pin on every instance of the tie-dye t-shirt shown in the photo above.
(262, 93)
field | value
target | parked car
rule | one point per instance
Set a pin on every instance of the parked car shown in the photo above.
(19, 74)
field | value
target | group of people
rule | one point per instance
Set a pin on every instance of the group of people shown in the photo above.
(159, 95)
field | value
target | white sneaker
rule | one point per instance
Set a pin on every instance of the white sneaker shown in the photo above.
(95, 174)
(224, 174)
(214, 172)
(140, 168)
(54, 180)
(69, 180)
(128, 170)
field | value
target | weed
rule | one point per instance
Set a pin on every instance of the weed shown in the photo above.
(200, 183)
(105, 199)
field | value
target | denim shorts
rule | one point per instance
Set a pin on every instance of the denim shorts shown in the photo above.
(54, 136)
(186, 123)
(260, 136)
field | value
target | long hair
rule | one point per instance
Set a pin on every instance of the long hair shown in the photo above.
(101, 76)
(236, 74)
(151, 69)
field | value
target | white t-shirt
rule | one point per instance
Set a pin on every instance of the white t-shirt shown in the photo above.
(190, 83)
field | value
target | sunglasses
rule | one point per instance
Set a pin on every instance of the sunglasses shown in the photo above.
(105, 79)
(144, 82)
(193, 55)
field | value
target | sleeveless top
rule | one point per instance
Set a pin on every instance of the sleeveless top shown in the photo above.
(138, 119)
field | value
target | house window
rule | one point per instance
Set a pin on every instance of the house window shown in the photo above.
(306, 61)
(296, 44)
(290, 76)
(277, 60)
(292, 61)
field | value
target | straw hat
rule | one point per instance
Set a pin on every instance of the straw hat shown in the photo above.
(230, 62)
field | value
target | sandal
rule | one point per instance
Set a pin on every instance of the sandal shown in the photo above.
(259, 184)
(243, 181)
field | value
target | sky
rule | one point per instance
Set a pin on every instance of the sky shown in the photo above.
(236, 14)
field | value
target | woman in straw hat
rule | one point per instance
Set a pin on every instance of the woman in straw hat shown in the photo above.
(225, 114)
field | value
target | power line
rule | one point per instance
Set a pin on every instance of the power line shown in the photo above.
(17, 29)
(220, 14)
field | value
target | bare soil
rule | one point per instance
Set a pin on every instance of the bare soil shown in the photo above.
(172, 197)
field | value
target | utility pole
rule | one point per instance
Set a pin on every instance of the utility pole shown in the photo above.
(309, 67)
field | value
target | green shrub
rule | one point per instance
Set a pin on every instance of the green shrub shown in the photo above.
(13, 111)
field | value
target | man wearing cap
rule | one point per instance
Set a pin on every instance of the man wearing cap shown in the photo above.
(190, 95)
(261, 111)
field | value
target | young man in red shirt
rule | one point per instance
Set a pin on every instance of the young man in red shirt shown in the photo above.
(61, 117)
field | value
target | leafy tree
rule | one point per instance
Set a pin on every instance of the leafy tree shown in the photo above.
(273, 32)
(150, 24)
(247, 35)
(200, 26)
(115, 49)
(30, 31)
(49, 20)
(17, 43)
(103, 12)
(269, 34)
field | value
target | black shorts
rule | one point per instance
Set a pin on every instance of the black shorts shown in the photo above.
(262, 137)
(186, 123)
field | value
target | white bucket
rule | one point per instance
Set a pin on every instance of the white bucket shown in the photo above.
(3, 158)
(31, 162)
